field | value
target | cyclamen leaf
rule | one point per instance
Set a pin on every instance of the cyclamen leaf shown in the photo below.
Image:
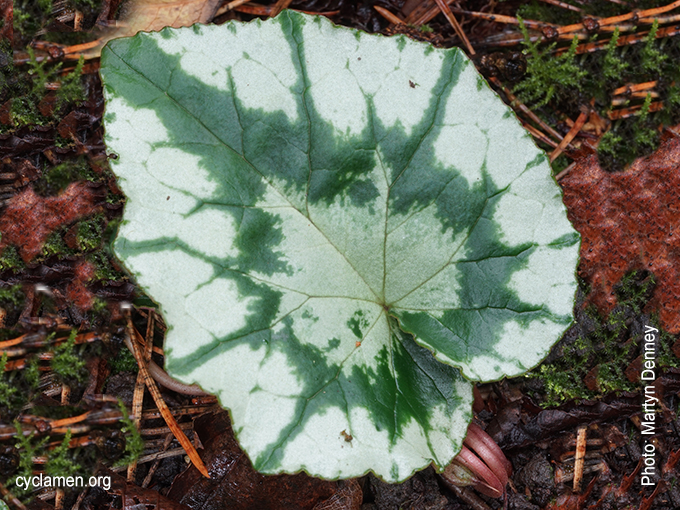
(305, 201)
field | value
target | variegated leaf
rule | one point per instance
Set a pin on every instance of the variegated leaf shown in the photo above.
(317, 211)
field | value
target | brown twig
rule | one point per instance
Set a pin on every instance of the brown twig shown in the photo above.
(516, 103)
(466, 495)
(579, 458)
(179, 411)
(230, 6)
(388, 15)
(138, 395)
(156, 463)
(564, 172)
(444, 7)
(164, 430)
(64, 422)
(59, 499)
(162, 377)
(31, 340)
(672, 460)
(501, 18)
(636, 87)
(160, 403)
(153, 456)
(539, 135)
(618, 20)
(624, 113)
(279, 6)
(614, 20)
(628, 480)
(647, 502)
(563, 5)
(580, 121)
(622, 41)
(621, 101)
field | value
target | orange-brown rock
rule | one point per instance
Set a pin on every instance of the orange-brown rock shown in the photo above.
(29, 219)
(630, 220)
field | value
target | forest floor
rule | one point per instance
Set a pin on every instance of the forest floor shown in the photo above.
(594, 83)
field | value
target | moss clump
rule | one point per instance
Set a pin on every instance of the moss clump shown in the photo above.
(31, 373)
(27, 450)
(614, 67)
(60, 461)
(12, 296)
(71, 90)
(595, 352)
(12, 303)
(23, 111)
(567, 82)
(10, 260)
(55, 246)
(57, 178)
(106, 269)
(7, 391)
(28, 90)
(124, 361)
(134, 445)
(66, 362)
(89, 236)
(31, 16)
(548, 76)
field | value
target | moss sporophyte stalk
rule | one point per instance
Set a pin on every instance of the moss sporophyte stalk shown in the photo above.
(361, 248)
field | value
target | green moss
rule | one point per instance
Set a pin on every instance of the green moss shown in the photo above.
(71, 90)
(7, 391)
(124, 361)
(23, 111)
(60, 460)
(41, 74)
(609, 145)
(27, 450)
(62, 143)
(603, 349)
(646, 136)
(57, 178)
(114, 198)
(134, 445)
(31, 373)
(66, 362)
(45, 6)
(560, 164)
(104, 268)
(90, 233)
(652, 58)
(548, 77)
(12, 296)
(563, 84)
(55, 246)
(666, 357)
(30, 16)
(99, 306)
(28, 90)
(27, 18)
(81, 4)
(614, 67)
(10, 260)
